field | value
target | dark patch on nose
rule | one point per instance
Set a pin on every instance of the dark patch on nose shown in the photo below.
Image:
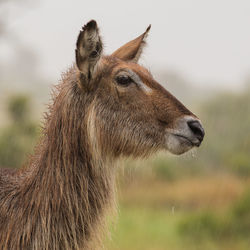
(197, 130)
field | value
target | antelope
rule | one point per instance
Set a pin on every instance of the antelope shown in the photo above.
(105, 108)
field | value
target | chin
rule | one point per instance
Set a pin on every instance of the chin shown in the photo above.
(177, 145)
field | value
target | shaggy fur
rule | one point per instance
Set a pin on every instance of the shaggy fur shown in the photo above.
(58, 201)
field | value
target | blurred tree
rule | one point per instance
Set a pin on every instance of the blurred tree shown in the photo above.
(18, 139)
(227, 123)
(18, 108)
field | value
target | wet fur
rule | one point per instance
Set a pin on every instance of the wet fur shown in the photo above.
(60, 199)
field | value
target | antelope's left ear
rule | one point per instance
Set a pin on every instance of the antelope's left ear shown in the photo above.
(132, 50)
(88, 49)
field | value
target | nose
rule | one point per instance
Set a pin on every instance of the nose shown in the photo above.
(197, 129)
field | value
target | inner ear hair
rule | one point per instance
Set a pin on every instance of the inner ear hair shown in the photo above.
(88, 49)
(132, 50)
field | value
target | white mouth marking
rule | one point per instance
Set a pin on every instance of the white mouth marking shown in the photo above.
(181, 139)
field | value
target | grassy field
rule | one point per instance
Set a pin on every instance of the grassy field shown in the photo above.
(157, 229)
(155, 216)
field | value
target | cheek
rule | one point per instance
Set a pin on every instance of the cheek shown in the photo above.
(136, 133)
(128, 128)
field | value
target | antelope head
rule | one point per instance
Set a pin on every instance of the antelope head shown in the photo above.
(130, 113)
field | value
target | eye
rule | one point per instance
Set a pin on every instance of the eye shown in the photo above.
(93, 54)
(123, 80)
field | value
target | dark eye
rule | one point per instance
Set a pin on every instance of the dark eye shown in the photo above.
(93, 54)
(123, 80)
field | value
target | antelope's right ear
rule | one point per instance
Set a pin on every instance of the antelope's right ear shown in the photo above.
(88, 49)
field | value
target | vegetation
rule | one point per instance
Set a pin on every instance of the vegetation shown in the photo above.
(19, 137)
(233, 224)
(197, 201)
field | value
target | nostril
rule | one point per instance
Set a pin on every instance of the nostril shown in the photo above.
(197, 129)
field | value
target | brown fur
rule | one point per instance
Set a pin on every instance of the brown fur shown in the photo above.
(59, 200)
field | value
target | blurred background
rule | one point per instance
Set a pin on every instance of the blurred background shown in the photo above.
(199, 50)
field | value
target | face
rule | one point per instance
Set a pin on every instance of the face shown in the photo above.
(135, 114)
(138, 115)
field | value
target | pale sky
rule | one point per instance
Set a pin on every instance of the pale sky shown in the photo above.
(206, 41)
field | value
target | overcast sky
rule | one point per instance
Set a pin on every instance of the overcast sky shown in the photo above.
(206, 41)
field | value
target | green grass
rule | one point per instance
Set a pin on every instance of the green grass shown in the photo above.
(158, 229)
(140, 228)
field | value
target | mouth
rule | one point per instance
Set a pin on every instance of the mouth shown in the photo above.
(177, 143)
(193, 143)
(186, 134)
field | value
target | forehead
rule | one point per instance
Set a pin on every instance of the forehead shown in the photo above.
(114, 65)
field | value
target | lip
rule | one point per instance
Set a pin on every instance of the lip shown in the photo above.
(194, 144)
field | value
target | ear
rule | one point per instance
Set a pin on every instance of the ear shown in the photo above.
(88, 49)
(132, 50)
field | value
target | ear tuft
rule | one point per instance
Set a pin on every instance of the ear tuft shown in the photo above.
(144, 36)
(90, 25)
(148, 28)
